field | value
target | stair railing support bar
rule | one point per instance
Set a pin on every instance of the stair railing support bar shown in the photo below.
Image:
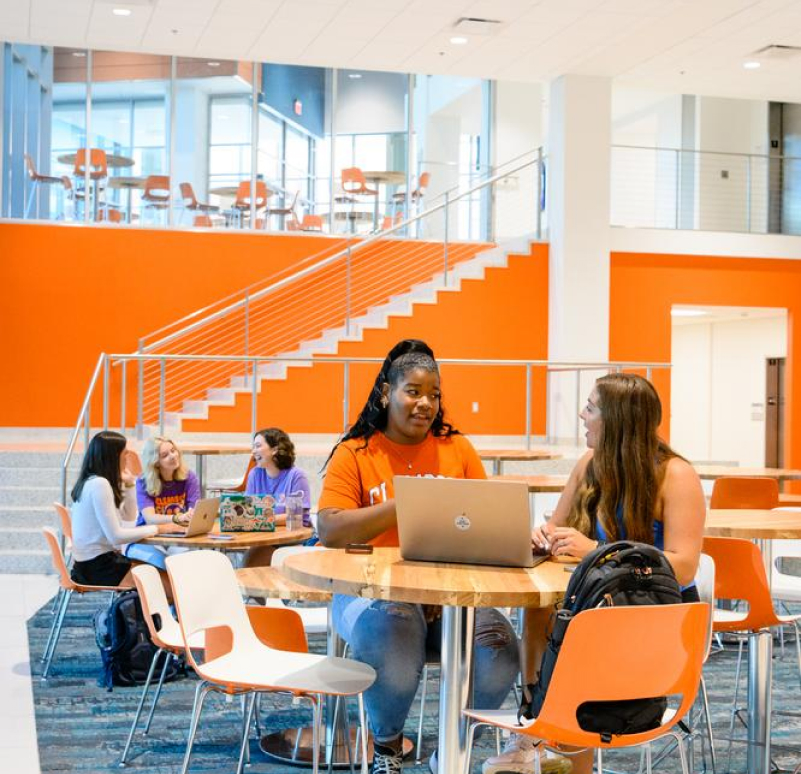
(347, 291)
(140, 395)
(162, 383)
(123, 395)
(538, 203)
(247, 333)
(106, 387)
(445, 242)
(528, 405)
(253, 395)
(345, 396)
(87, 425)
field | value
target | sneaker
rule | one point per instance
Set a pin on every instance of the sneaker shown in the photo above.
(386, 760)
(518, 757)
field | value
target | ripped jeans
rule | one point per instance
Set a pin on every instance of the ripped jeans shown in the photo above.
(394, 639)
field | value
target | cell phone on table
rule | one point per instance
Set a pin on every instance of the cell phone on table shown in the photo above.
(358, 548)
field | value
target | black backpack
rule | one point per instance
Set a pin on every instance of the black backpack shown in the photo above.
(621, 573)
(125, 646)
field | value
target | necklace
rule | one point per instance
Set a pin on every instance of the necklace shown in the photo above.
(403, 459)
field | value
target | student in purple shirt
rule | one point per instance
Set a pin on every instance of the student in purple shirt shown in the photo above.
(275, 474)
(166, 493)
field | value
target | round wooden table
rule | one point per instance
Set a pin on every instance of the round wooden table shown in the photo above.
(537, 484)
(718, 471)
(113, 160)
(762, 526)
(127, 183)
(235, 541)
(499, 456)
(458, 588)
(271, 583)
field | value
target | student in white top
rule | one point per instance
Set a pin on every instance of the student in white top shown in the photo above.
(104, 514)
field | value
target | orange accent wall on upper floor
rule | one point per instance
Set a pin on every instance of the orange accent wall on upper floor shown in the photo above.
(645, 286)
(70, 292)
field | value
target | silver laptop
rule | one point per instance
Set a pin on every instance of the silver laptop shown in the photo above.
(470, 521)
(202, 519)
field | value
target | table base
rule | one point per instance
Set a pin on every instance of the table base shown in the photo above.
(283, 747)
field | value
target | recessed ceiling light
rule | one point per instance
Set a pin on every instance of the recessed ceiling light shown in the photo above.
(752, 65)
(122, 11)
(687, 313)
(354, 76)
(458, 40)
(213, 64)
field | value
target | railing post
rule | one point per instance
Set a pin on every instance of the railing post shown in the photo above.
(748, 195)
(247, 333)
(347, 291)
(345, 396)
(140, 395)
(528, 405)
(445, 243)
(538, 205)
(87, 420)
(253, 396)
(106, 387)
(678, 189)
(123, 395)
(162, 384)
(648, 373)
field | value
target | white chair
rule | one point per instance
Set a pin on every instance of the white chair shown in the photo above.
(785, 588)
(207, 597)
(315, 619)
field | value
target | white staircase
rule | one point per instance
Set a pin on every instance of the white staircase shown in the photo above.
(375, 318)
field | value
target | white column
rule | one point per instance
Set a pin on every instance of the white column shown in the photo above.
(578, 226)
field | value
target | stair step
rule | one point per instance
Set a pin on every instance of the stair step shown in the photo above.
(36, 459)
(29, 495)
(22, 539)
(19, 475)
(26, 562)
(28, 517)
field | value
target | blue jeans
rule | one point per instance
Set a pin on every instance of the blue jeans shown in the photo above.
(155, 555)
(394, 638)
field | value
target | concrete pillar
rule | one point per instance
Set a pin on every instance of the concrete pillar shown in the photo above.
(578, 226)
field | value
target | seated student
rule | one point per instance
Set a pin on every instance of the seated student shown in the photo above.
(630, 485)
(275, 474)
(104, 514)
(166, 493)
(402, 430)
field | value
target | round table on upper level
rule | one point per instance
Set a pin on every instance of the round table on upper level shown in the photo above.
(235, 541)
(458, 588)
(113, 160)
(719, 471)
(499, 456)
(537, 484)
(762, 526)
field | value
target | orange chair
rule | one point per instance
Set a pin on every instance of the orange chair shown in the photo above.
(417, 194)
(38, 180)
(97, 164)
(355, 184)
(389, 222)
(156, 196)
(190, 202)
(740, 575)
(662, 647)
(241, 206)
(309, 223)
(231, 485)
(202, 221)
(69, 587)
(745, 492)
(282, 211)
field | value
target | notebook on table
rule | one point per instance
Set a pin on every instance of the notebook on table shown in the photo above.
(247, 513)
(202, 519)
(467, 521)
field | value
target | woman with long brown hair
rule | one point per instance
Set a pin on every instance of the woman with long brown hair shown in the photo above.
(630, 485)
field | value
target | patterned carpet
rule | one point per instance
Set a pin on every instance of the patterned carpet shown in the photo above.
(82, 728)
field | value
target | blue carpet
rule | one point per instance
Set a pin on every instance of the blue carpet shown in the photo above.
(83, 728)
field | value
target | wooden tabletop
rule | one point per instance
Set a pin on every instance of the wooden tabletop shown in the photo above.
(787, 499)
(717, 471)
(384, 575)
(239, 541)
(269, 582)
(123, 181)
(537, 483)
(216, 448)
(745, 523)
(112, 160)
(518, 455)
(385, 177)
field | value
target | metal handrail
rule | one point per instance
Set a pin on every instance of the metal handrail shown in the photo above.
(352, 246)
(707, 152)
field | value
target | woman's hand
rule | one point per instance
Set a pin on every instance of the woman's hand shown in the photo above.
(542, 537)
(181, 519)
(128, 478)
(170, 528)
(567, 541)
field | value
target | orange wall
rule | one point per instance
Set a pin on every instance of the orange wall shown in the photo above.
(644, 287)
(503, 317)
(71, 292)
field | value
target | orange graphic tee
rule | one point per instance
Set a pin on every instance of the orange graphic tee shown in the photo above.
(357, 477)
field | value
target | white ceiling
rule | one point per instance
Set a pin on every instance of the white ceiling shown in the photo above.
(685, 46)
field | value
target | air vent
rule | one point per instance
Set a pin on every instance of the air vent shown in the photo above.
(777, 52)
(469, 25)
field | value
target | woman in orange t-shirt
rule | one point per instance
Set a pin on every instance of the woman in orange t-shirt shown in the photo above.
(402, 430)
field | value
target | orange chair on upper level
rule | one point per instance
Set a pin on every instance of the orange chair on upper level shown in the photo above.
(355, 184)
(418, 193)
(96, 163)
(241, 205)
(232, 485)
(309, 223)
(745, 492)
(157, 194)
(37, 180)
(665, 662)
(190, 202)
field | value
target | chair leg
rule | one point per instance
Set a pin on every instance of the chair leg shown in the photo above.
(316, 728)
(682, 757)
(734, 703)
(471, 732)
(708, 723)
(56, 613)
(798, 648)
(56, 603)
(59, 623)
(418, 758)
(142, 698)
(599, 760)
(363, 732)
(246, 732)
(201, 692)
(167, 658)
(28, 204)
